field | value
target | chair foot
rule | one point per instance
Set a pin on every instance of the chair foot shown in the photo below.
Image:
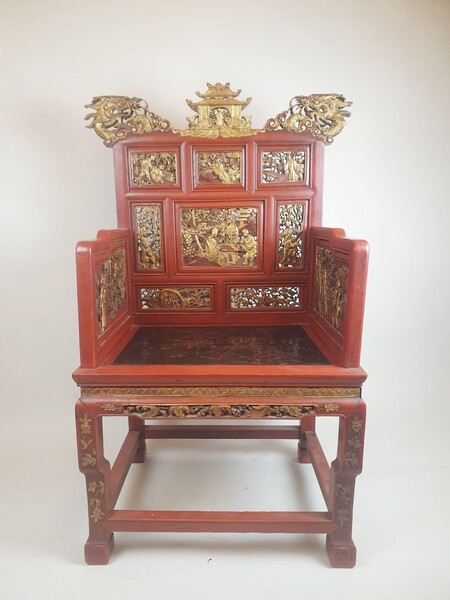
(341, 555)
(99, 553)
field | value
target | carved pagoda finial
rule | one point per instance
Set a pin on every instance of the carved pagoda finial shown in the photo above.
(219, 114)
(115, 117)
(323, 115)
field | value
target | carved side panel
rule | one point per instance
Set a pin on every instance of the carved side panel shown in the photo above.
(219, 168)
(111, 289)
(330, 288)
(265, 298)
(283, 166)
(148, 234)
(175, 298)
(290, 236)
(154, 169)
(220, 238)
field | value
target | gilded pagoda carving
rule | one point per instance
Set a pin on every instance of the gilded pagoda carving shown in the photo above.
(155, 168)
(218, 114)
(322, 115)
(330, 287)
(175, 298)
(219, 237)
(148, 231)
(115, 117)
(111, 288)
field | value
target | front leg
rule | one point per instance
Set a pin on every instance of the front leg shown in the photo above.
(348, 464)
(96, 469)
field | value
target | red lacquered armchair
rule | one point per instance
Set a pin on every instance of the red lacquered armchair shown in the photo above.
(220, 295)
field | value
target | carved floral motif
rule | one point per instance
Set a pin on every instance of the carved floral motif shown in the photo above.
(175, 298)
(86, 438)
(148, 226)
(96, 491)
(290, 235)
(271, 297)
(111, 288)
(219, 237)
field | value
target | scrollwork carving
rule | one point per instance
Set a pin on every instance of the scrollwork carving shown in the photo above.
(265, 298)
(175, 298)
(322, 115)
(115, 117)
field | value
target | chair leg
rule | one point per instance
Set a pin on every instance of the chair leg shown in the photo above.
(138, 424)
(96, 469)
(306, 424)
(348, 464)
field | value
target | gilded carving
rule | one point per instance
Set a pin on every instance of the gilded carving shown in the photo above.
(218, 392)
(219, 167)
(148, 226)
(153, 411)
(271, 297)
(218, 114)
(330, 287)
(155, 168)
(352, 456)
(322, 115)
(219, 237)
(88, 453)
(290, 233)
(175, 298)
(283, 166)
(96, 491)
(111, 288)
(116, 117)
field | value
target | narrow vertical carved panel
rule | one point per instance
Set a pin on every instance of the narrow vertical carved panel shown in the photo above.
(290, 233)
(111, 289)
(330, 288)
(148, 232)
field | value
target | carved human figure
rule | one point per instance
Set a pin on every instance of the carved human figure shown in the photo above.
(230, 234)
(250, 248)
(212, 249)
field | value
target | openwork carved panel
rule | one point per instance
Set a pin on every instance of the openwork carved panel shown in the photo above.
(148, 232)
(175, 298)
(218, 168)
(290, 232)
(287, 166)
(111, 288)
(265, 298)
(330, 288)
(219, 237)
(155, 168)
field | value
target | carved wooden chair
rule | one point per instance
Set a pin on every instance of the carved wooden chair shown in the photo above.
(220, 295)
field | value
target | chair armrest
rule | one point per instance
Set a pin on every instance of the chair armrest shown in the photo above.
(337, 295)
(104, 294)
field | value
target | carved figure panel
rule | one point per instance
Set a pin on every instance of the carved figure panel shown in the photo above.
(330, 287)
(219, 237)
(265, 298)
(155, 168)
(290, 233)
(111, 288)
(283, 166)
(148, 232)
(218, 168)
(175, 298)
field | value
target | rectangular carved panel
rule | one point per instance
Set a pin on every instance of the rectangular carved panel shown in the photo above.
(111, 289)
(154, 168)
(265, 298)
(175, 298)
(218, 168)
(330, 288)
(219, 237)
(290, 232)
(283, 166)
(148, 233)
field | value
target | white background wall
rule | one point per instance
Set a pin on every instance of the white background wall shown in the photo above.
(387, 180)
